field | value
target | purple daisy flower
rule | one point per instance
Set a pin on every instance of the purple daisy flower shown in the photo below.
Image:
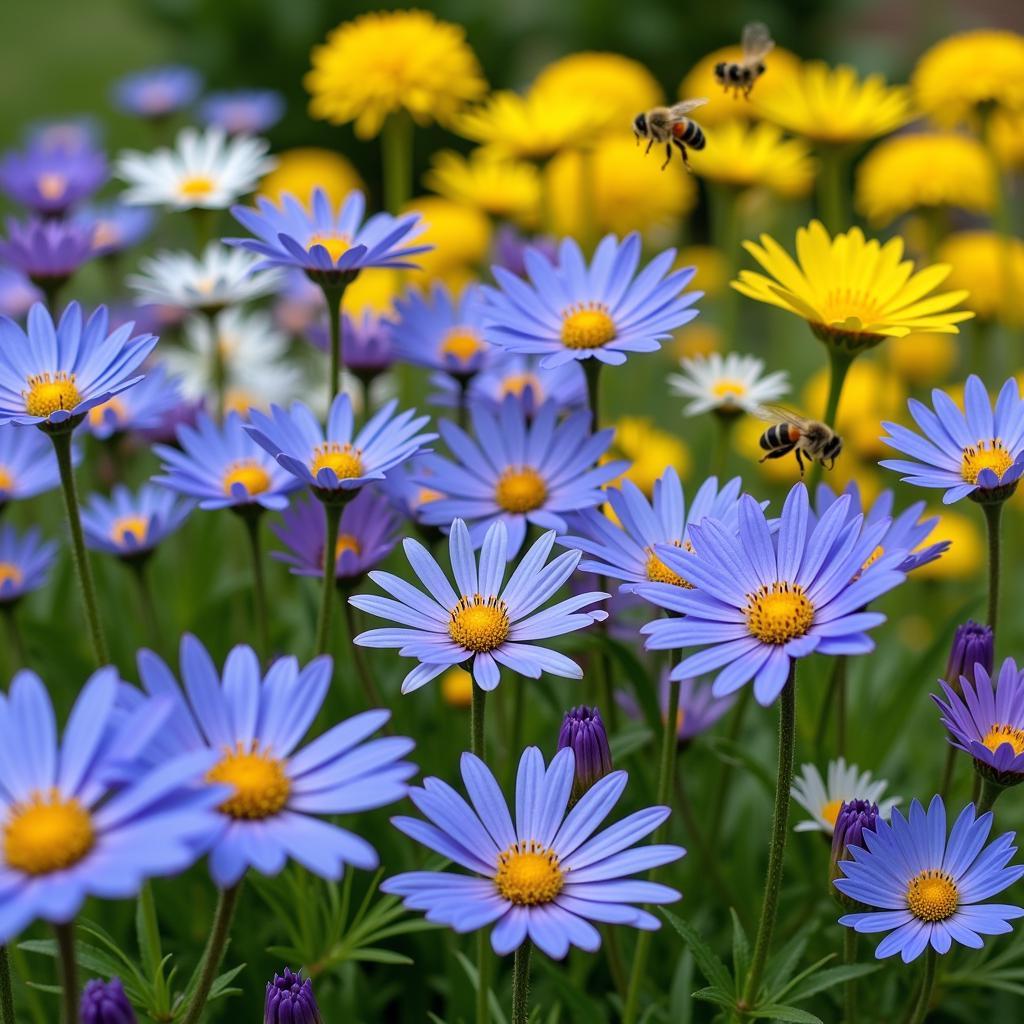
(25, 562)
(115, 227)
(242, 111)
(547, 876)
(290, 1000)
(47, 252)
(368, 340)
(68, 832)
(157, 92)
(105, 1003)
(143, 407)
(518, 472)
(28, 465)
(367, 533)
(761, 600)
(17, 293)
(254, 724)
(978, 452)
(486, 621)
(511, 246)
(131, 525)
(569, 310)
(927, 888)
(50, 180)
(699, 709)
(583, 730)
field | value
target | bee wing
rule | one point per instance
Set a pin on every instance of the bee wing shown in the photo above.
(678, 110)
(777, 413)
(757, 42)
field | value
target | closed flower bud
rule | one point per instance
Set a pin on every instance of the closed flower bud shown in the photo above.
(972, 645)
(583, 730)
(105, 1003)
(290, 1000)
(854, 817)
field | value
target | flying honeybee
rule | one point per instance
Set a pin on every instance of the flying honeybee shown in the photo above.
(790, 432)
(742, 74)
(671, 126)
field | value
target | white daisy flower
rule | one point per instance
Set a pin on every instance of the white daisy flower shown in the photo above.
(845, 782)
(219, 277)
(206, 169)
(729, 385)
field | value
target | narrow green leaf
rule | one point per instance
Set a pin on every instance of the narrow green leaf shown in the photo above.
(707, 959)
(716, 995)
(831, 976)
(740, 950)
(793, 1014)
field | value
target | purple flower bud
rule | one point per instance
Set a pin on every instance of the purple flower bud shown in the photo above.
(972, 645)
(290, 1000)
(105, 1003)
(853, 818)
(583, 730)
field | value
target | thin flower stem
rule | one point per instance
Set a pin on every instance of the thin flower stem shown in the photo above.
(725, 230)
(227, 900)
(476, 720)
(839, 674)
(16, 655)
(6, 991)
(839, 365)
(332, 512)
(252, 517)
(80, 557)
(68, 971)
(722, 450)
(924, 996)
(333, 296)
(947, 771)
(218, 371)
(483, 980)
(592, 370)
(849, 988)
(993, 514)
(832, 189)
(989, 794)
(521, 984)
(725, 775)
(147, 607)
(396, 152)
(777, 850)
(462, 383)
(483, 953)
(373, 697)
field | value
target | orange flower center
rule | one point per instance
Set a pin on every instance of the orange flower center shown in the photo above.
(251, 475)
(1002, 733)
(47, 393)
(587, 326)
(346, 461)
(521, 490)
(336, 245)
(10, 573)
(462, 343)
(196, 186)
(479, 624)
(261, 787)
(528, 874)
(932, 895)
(46, 834)
(136, 526)
(51, 185)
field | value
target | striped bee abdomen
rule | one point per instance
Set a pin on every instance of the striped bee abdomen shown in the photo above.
(779, 435)
(690, 134)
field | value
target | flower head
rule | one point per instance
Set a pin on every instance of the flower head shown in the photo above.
(115, 227)
(853, 818)
(547, 876)
(991, 269)
(301, 171)
(382, 63)
(928, 889)
(51, 180)
(28, 465)
(442, 332)
(253, 722)
(569, 310)
(157, 92)
(978, 452)
(500, 186)
(242, 111)
(25, 562)
(17, 293)
(47, 252)
(727, 385)
(131, 524)
(583, 730)
(784, 595)
(853, 292)
(823, 800)
(973, 645)
(105, 1003)
(205, 170)
(649, 451)
(142, 407)
(749, 155)
(457, 237)
(290, 1000)
(485, 621)
(368, 343)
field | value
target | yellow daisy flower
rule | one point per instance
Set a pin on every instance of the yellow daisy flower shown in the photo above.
(650, 450)
(696, 339)
(991, 269)
(965, 71)
(744, 155)
(460, 235)
(373, 291)
(1007, 138)
(384, 62)
(780, 67)
(852, 291)
(833, 106)
(499, 186)
(928, 170)
(457, 688)
(301, 170)
(921, 359)
(966, 550)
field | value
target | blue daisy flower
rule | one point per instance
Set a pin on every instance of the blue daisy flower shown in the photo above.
(485, 621)
(131, 524)
(278, 793)
(25, 561)
(69, 830)
(518, 472)
(223, 467)
(335, 460)
(978, 452)
(115, 227)
(441, 331)
(28, 465)
(546, 876)
(627, 552)
(242, 111)
(144, 407)
(157, 92)
(331, 247)
(928, 888)
(760, 600)
(49, 180)
(54, 374)
(48, 252)
(569, 310)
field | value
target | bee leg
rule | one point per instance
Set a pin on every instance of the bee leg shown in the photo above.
(668, 155)
(799, 461)
(686, 161)
(778, 453)
(648, 149)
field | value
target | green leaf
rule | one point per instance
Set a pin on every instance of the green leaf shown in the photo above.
(380, 956)
(740, 949)
(497, 1014)
(739, 756)
(716, 995)
(782, 965)
(771, 1011)
(707, 959)
(805, 973)
(831, 976)
(147, 931)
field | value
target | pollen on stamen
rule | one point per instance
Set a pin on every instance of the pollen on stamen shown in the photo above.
(135, 527)
(1002, 733)
(985, 455)
(480, 624)
(49, 392)
(529, 874)
(521, 489)
(779, 613)
(46, 833)
(658, 572)
(932, 896)
(346, 461)
(261, 785)
(251, 475)
(587, 326)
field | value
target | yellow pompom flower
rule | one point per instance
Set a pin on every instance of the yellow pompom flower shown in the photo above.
(966, 550)
(744, 155)
(650, 451)
(301, 170)
(833, 106)
(781, 66)
(460, 235)
(457, 688)
(389, 61)
(927, 170)
(712, 276)
(373, 291)
(922, 360)
(964, 72)
(852, 291)
(696, 339)
(991, 269)
(501, 187)
(1006, 136)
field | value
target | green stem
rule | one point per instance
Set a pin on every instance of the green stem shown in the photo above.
(333, 295)
(147, 606)
(51, 289)
(6, 991)
(989, 794)
(483, 984)
(947, 771)
(592, 369)
(993, 513)
(725, 230)
(79, 555)
(396, 153)
(16, 655)
(777, 850)
(924, 996)
(32, 1001)
(521, 984)
(839, 365)
(332, 513)
(832, 189)
(476, 720)
(839, 674)
(252, 516)
(218, 371)
(587, 199)
(824, 715)
(150, 921)
(720, 454)
(68, 971)
(362, 669)
(849, 988)
(227, 900)
(462, 382)
(725, 775)
(483, 953)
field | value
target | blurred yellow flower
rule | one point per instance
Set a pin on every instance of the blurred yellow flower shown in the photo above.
(961, 73)
(780, 67)
(299, 171)
(966, 551)
(385, 62)
(460, 234)
(622, 87)
(853, 292)
(991, 269)
(630, 193)
(926, 170)
(373, 291)
(457, 688)
(922, 360)
(712, 276)
(650, 450)
(834, 106)
(1007, 137)
(743, 155)
(503, 188)
(696, 339)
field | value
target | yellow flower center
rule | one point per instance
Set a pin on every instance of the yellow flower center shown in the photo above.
(462, 343)
(728, 389)
(457, 688)
(6, 481)
(1002, 733)
(479, 623)
(98, 413)
(137, 526)
(985, 455)
(346, 461)
(48, 833)
(830, 811)
(425, 495)
(528, 874)
(52, 185)
(259, 780)
(873, 557)
(659, 572)
(932, 895)
(587, 326)
(779, 613)
(521, 490)
(517, 383)
(336, 245)
(104, 234)
(196, 186)
(850, 310)
(10, 573)
(48, 392)
(346, 542)
(251, 475)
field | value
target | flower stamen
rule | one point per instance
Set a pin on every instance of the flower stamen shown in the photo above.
(528, 874)
(521, 490)
(932, 895)
(251, 475)
(1004, 733)
(985, 455)
(587, 326)
(261, 785)
(49, 392)
(346, 461)
(47, 833)
(479, 624)
(779, 613)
